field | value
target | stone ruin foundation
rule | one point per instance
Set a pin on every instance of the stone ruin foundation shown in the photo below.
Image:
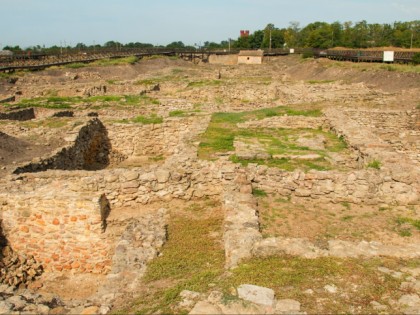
(57, 210)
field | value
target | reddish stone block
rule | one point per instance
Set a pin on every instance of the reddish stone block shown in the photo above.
(73, 219)
(40, 222)
(75, 265)
(56, 221)
(24, 229)
(58, 268)
(67, 267)
(82, 217)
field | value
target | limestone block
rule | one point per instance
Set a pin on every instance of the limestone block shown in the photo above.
(256, 294)
(287, 306)
(204, 307)
(162, 175)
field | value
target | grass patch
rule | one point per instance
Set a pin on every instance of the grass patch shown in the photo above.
(376, 164)
(405, 225)
(147, 120)
(157, 158)
(300, 274)
(413, 222)
(220, 135)
(191, 259)
(204, 83)
(76, 65)
(347, 218)
(47, 123)
(112, 82)
(115, 61)
(178, 113)
(346, 205)
(320, 81)
(259, 192)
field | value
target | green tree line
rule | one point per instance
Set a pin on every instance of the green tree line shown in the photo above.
(314, 35)
(328, 35)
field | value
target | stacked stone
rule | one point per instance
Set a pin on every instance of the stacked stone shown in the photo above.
(27, 302)
(16, 270)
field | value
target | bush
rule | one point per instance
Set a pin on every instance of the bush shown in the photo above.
(416, 58)
(308, 54)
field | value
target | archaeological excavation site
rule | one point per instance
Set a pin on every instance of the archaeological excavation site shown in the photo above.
(162, 185)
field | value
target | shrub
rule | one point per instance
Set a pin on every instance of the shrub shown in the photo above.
(416, 58)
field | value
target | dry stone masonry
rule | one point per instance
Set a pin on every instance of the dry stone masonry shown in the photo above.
(88, 149)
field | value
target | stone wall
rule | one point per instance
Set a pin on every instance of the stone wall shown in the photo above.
(56, 215)
(87, 149)
(372, 147)
(21, 115)
(137, 140)
(361, 186)
(61, 228)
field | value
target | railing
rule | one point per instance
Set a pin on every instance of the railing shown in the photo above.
(33, 61)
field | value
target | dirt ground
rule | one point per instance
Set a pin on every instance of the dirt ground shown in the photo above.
(197, 90)
(320, 222)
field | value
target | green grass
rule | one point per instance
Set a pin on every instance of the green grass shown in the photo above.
(376, 164)
(219, 137)
(177, 113)
(147, 120)
(259, 193)
(346, 205)
(405, 224)
(191, 259)
(116, 61)
(413, 222)
(49, 122)
(290, 276)
(320, 81)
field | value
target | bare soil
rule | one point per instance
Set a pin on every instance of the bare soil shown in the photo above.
(320, 222)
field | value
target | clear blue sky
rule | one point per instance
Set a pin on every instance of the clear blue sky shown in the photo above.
(47, 22)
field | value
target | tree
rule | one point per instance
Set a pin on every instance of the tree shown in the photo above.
(361, 37)
(256, 39)
(291, 35)
(176, 45)
(273, 35)
(13, 48)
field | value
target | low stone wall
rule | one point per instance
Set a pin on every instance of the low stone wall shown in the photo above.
(136, 140)
(361, 186)
(241, 226)
(289, 122)
(87, 149)
(371, 147)
(61, 228)
(21, 115)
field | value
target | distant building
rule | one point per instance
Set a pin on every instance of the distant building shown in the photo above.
(244, 33)
(251, 57)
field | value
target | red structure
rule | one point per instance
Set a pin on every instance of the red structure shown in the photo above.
(244, 33)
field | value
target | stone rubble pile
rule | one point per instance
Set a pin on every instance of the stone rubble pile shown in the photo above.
(17, 270)
(28, 302)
